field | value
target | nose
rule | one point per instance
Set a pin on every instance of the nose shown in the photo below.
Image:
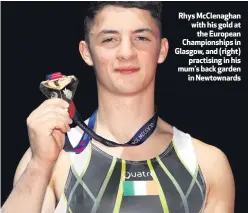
(126, 50)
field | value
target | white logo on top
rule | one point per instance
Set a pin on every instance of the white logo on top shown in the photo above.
(143, 174)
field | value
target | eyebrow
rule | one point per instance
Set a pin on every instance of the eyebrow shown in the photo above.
(141, 30)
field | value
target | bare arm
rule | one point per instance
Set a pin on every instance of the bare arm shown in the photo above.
(220, 181)
(221, 195)
(32, 190)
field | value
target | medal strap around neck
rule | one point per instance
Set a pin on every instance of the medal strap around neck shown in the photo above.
(142, 134)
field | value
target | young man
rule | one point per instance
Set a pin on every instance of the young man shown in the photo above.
(170, 172)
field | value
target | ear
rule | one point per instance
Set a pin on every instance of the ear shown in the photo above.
(85, 53)
(163, 50)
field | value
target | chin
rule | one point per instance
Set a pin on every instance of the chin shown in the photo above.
(127, 87)
(128, 90)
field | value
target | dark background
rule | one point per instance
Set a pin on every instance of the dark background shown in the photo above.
(39, 38)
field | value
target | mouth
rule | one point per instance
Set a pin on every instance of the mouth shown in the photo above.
(127, 69)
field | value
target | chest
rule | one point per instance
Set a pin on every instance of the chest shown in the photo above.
(153, 147)
(99, 183)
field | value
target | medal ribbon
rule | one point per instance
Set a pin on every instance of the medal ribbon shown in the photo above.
(141, 135)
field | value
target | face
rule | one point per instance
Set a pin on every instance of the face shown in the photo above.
(125, 48)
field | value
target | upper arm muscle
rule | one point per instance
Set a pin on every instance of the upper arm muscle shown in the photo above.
(222, 187)
(218, 174)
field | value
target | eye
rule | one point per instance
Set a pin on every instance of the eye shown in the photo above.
(108, 40)
(142, 38)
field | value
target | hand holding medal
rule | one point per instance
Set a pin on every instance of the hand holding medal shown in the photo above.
(61, 86)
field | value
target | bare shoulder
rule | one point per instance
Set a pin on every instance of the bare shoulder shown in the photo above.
(210, 156)
(218, 174)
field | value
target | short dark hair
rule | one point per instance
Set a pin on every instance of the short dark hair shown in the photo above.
(154, 7)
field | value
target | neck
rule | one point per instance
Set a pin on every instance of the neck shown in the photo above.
(120, 117)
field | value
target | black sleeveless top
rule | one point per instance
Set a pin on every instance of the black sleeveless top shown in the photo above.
(99, 183)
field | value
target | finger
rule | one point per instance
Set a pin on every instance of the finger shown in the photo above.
(60, 125)
(54, 101)
(48, 122)
(50, 108)
(56, 116)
